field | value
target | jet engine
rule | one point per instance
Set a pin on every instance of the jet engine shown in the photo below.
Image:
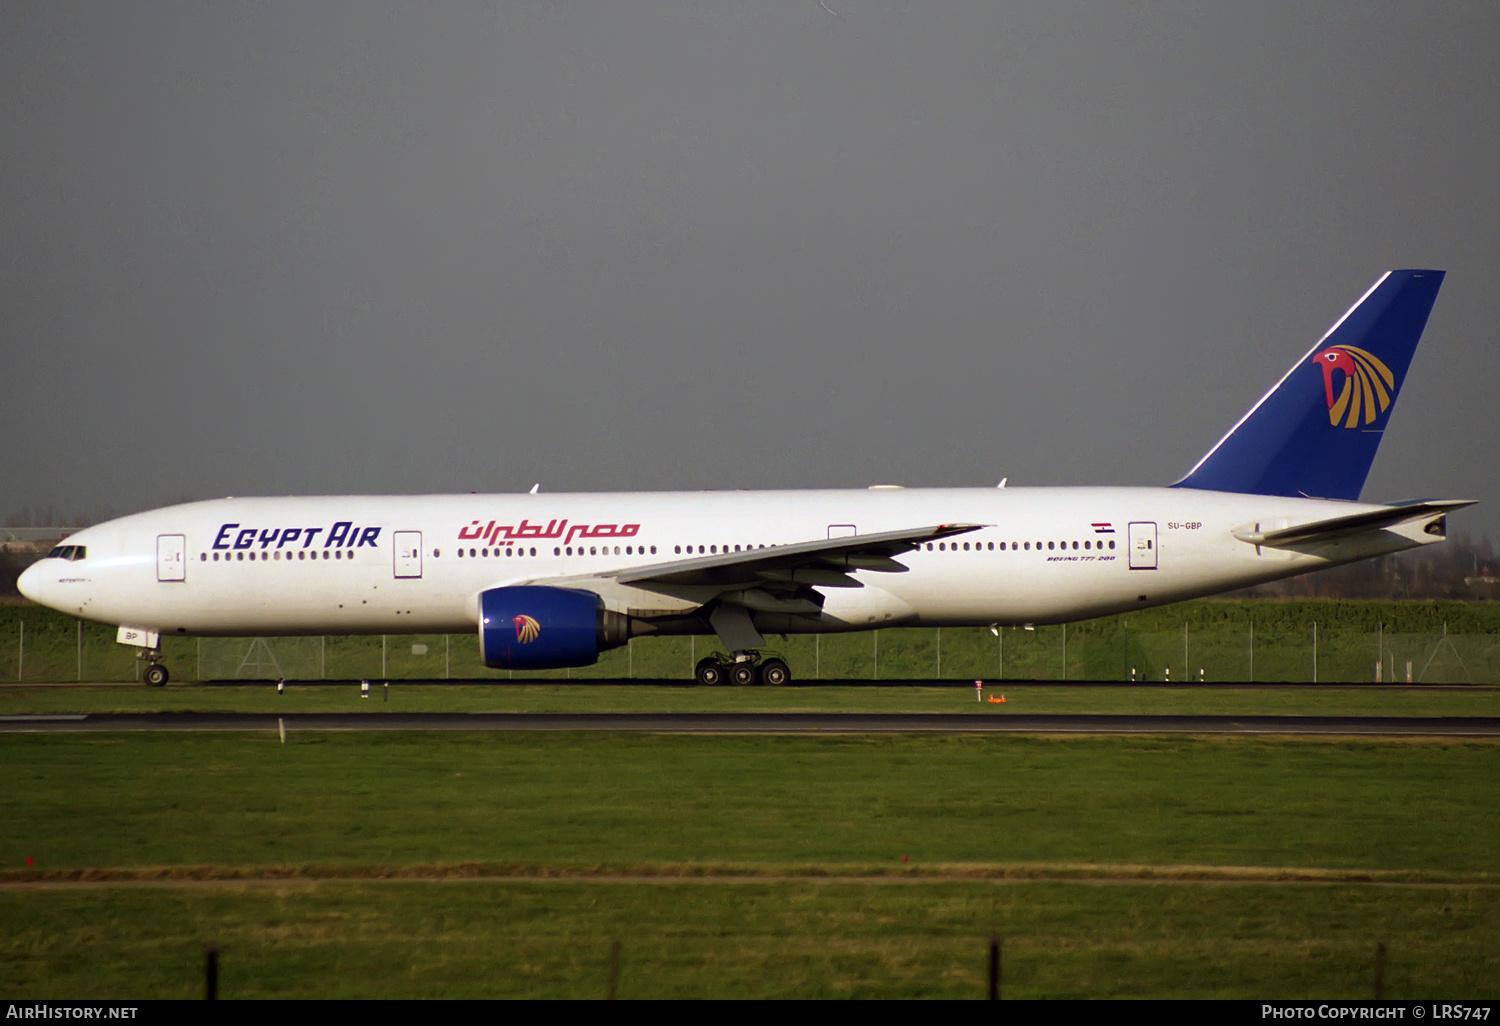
(531, 627)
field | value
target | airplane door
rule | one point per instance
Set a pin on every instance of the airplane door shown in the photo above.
(1142, 545)
(171, 557)
(408, 553)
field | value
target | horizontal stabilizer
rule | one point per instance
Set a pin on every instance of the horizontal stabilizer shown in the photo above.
(1354, 523)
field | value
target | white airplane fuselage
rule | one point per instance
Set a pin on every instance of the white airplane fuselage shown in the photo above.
(417, 564)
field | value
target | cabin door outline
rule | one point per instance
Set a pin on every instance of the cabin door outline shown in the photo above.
(1142, 542)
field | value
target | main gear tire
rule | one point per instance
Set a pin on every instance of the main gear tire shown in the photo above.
(775, 673)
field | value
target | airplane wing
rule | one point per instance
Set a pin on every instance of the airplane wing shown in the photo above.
(825, 562)
(776, 578)
(1353, 523)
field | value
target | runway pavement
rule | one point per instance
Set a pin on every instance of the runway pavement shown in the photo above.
(766, 723)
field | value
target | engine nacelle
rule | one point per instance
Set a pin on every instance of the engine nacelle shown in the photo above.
(530, 627)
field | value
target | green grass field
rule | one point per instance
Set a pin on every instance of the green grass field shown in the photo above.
(415, 865)
(425, 865)
(1219, 641)
(802, 938)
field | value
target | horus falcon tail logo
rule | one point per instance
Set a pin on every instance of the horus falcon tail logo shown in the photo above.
(1368, 385)
(527, 629)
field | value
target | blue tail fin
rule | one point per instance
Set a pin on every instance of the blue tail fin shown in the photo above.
(1315, 433)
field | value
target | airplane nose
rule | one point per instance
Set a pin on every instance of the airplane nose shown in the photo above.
(29, 583)
(37, 583)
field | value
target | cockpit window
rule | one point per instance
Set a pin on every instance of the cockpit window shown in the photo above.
(72, 553)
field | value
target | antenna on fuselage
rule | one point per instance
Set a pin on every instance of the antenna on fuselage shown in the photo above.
(1002, 482)
(535, 488)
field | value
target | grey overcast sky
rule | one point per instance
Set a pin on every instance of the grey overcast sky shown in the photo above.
(271, 248)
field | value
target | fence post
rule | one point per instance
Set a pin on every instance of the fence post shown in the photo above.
(1315, 652)
(1252, 652)
(614, 969)
(1065, 652)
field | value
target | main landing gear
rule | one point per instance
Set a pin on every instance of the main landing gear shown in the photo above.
(744, 669)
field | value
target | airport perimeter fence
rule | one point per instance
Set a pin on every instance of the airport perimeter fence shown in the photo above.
(41, 646)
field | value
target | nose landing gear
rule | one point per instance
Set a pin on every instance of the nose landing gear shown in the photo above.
(155, 674)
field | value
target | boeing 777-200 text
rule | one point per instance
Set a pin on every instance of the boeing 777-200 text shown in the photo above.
(551, 580)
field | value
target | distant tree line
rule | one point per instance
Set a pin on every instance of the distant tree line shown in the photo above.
(17, 556)
(1461, 569)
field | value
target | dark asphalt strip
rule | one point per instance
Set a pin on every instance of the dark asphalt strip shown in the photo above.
(769, 723)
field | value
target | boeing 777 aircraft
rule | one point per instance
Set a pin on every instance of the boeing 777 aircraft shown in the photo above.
(553, 580)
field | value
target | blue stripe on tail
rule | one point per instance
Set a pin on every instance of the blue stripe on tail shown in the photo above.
(1315, 433)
